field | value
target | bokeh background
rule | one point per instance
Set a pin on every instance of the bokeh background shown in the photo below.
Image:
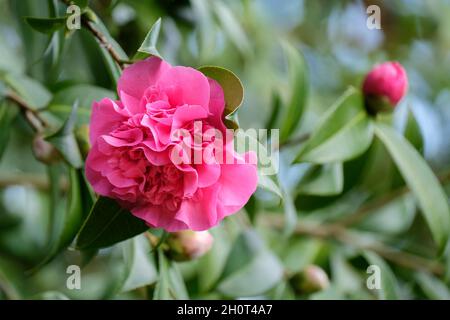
(250, 257)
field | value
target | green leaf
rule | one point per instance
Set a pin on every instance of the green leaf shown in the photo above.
(231, 26)
(139, 266)
(290, 213)
(85, 94)
(389, 285)
(46, 25)
(64, 227)
(266, 183)
(65, 141)
(108, 224)
(322, 180)
(412, 131)
(343, 133)
(433, 287)
(211, 265)
(81, 3)
(422, 182)
(148, 47)
(251, 268)
(8, 112)
(231, 85)
(30, 90)
(170, 284)
(298, 93)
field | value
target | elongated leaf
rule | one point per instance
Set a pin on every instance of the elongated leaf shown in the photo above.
(8, 112)
(148, 47)
(139, 266)
(389, 286)
(433, 287)
(323, 180)
(298, 93)
(170, 285)
(64, 227)
(108, 224)
(422, 182)
(65, 141)
(33, 92)
(343, 133)
(251, 268)
(412, 131)
(231, 85)
(46, 25)
(85, 94)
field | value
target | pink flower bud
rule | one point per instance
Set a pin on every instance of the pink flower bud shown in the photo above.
(384, 86)
(311, 279)
(44, 151)
(189, 245)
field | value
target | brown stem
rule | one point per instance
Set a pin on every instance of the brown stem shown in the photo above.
(31, 115)
(101, 38)
(334, 232)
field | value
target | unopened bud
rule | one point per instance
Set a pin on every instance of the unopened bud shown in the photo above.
(189, 245)
(384, 86)
(311, 279)
(44, 151)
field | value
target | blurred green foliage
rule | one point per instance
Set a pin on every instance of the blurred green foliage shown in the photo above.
(295, 59)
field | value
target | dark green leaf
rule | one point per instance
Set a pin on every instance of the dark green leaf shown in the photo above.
(8, 112)
(422, 182)
(412, 131)
(231, 85)
(65, 141)
(85, 94)
(108, 224)
(46, 25)
(298, 92)
(323, 180)
(148, 47)
(343, 133)
(81, 3)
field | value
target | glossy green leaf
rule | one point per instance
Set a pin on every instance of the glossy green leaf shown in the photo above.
(65, 141)
(231, 85)
(30, 90)
(251, 268)
(422, 182)
(139, 266)
(85, 94)
(46, 25)
(343, 133)
(107, 224)
(322, 180)
(8, 112)
(298, 92)
(412, 131)
(388, 284)
(148, 47)
(64, 227)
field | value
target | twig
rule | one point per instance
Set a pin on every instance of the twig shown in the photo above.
(31, 115)
(334, 232)
(37, 181)
(103, 41)
(381, 202)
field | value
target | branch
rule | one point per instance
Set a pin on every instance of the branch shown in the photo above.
(31, 115)
(337, 233)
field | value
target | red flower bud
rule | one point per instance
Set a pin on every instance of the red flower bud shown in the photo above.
(384, 86)
(311, 279)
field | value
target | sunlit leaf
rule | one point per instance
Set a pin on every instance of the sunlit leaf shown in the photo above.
(148, 46)
(422, 182)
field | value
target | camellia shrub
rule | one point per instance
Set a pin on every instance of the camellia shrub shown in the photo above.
(148, 174)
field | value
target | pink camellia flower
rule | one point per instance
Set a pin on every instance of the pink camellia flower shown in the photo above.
(387, 81)
(139, 144)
